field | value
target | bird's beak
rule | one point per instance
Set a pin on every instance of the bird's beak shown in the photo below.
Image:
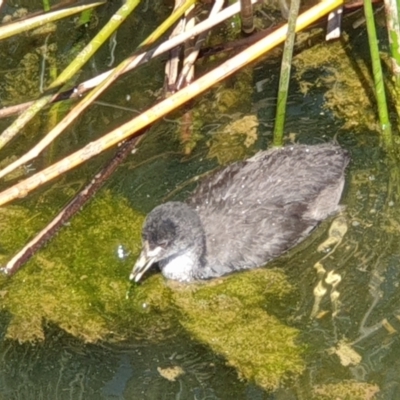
(146, 259)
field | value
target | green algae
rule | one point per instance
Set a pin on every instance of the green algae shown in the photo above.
(227, 102)
(229, 316)
(233, 142)
(77, 282)
(346, 390)
(348, 89)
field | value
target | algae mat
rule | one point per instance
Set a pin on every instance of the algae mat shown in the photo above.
(79, 283)
(230, 316)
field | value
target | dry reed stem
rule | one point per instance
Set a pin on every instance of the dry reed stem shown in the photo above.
(136, 60)
(164, 107)
(78, 109)
(27, 24)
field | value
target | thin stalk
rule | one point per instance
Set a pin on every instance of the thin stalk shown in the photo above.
(393, 27)
(187, 76)
(246, 16)
(172, 64)
(164, 107)
(285, 73)
(190, 59)
(378, 76)
(188, 49)
(46, 5)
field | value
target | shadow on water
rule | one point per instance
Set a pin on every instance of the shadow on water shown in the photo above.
(63, 367)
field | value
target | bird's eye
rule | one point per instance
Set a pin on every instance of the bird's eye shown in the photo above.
(163, 243)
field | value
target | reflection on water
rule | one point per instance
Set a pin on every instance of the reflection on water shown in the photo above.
(356, 337)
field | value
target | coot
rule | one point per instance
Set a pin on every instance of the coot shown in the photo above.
(244, 215)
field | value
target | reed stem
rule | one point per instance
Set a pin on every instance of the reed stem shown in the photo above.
(246, 16)
(285, 73)
(386, 128)
(393, 27)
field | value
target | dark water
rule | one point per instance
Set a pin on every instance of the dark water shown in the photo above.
(65, 368)
(346, 296)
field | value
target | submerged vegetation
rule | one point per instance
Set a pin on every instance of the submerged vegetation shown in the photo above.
(79, 290)
(346, 390)
(86, 293)
(231, 316)
(347, 91)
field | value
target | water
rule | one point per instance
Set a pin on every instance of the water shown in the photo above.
(72, 327)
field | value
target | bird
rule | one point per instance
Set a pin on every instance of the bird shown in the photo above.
(244, 215)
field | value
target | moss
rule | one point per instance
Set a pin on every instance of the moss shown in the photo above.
(348, 90)
(23, 84)
(78, 282)
(346, 390)
(17, 225)
(229, 100)
(229, 316)
(232, 143)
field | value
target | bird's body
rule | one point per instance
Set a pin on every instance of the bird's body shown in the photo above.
(243, 216)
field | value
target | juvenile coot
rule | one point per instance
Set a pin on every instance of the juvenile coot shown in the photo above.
(243, 216)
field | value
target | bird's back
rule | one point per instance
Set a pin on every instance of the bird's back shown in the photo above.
(255, 210)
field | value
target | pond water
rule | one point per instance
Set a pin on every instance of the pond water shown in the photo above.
(321, 322)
